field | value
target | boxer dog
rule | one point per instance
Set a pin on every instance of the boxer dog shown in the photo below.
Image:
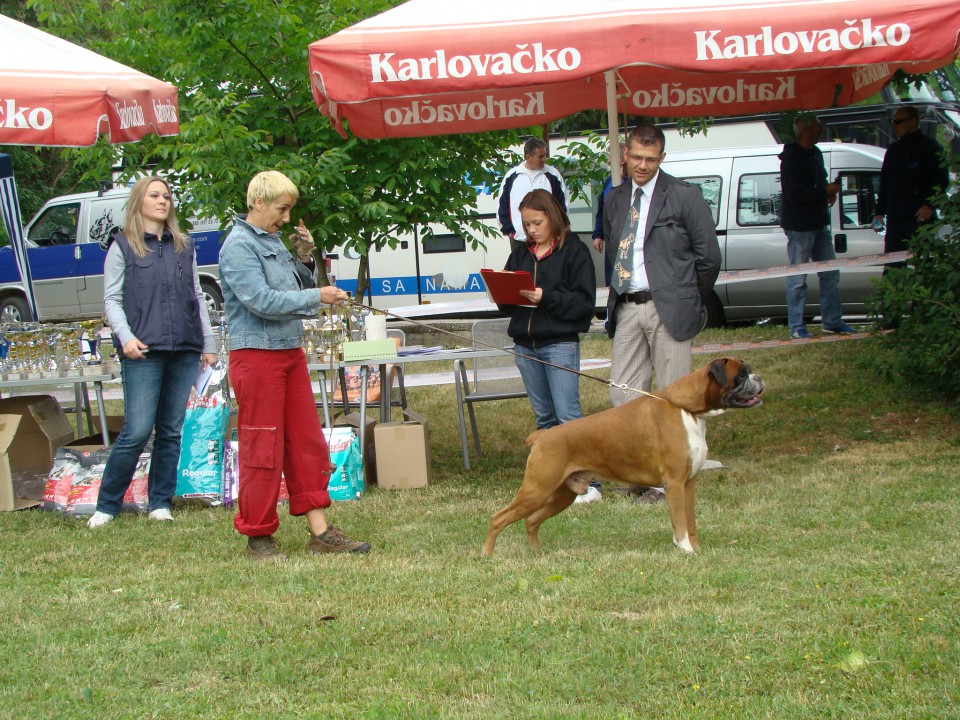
(648, 441)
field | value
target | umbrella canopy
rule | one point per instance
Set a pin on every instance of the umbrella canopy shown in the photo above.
(53, 92)
(434, 67)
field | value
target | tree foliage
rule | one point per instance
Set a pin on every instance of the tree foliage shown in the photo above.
(246, 106)
(924, 352)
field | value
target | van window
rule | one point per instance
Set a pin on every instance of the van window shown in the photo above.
(57, 226)
(710, 187)
(447, 243)
(858, 199)
(758, 199)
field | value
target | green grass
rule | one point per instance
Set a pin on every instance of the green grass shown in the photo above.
(826, 587)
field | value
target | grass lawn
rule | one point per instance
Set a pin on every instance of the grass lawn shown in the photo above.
(827, 586)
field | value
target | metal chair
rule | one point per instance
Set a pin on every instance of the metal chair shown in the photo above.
(494, 378)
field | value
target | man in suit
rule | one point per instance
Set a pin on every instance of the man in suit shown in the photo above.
(664, 253)
(661, 243)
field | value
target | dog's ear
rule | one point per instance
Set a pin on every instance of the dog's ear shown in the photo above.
(718, 371)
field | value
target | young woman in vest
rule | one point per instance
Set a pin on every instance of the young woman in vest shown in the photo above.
(161, 329)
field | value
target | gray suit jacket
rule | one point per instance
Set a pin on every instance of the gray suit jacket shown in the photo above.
(680, 251)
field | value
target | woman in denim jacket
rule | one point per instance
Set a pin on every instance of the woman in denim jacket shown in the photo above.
(279, 430)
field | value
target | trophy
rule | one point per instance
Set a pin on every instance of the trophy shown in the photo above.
(50, 336)
(71, 352)
(91, 333)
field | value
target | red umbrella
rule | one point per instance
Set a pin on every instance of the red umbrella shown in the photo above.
(433, 67)
(53, 92)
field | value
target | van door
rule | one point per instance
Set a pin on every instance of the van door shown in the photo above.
(105, 215)
(52, 262)
(851, 220)
(756, 240)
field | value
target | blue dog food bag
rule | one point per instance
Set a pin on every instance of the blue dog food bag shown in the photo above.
(346, 461)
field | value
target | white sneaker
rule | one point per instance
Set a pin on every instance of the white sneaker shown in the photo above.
(591, 495)
(161, 514)
(99, 519)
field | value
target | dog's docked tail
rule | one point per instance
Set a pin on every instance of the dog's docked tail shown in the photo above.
(532, 437)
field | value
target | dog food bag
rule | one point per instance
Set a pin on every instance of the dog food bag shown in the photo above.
(346, 461)
(200, 471)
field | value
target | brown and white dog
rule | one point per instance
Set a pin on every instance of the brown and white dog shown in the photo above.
(649, 441)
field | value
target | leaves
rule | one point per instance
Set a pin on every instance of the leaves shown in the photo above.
(246, 106)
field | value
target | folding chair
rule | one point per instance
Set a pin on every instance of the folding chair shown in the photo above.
(493, 378)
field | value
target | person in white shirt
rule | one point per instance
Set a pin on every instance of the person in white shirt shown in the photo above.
(532, 174)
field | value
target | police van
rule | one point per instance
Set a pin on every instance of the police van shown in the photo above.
(67, 244)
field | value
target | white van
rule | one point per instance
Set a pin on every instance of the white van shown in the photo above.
(67, 244)
(742, 187)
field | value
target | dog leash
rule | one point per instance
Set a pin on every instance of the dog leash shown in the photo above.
(472, 342)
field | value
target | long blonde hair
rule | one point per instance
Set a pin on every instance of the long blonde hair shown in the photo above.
(133, 225)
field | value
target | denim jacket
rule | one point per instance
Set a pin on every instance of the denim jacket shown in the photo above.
(264, 301)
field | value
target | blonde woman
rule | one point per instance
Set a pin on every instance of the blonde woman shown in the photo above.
(161, 329)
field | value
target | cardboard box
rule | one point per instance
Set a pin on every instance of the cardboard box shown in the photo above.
(114, 424)
(32, 427)
(403, 453)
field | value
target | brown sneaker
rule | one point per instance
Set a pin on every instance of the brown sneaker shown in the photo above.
(335, 540)
(264, 548)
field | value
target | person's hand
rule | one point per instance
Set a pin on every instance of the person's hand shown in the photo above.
(924, 213)
(208, 360)
(534, 296)
(832, 190)
(331, 295)
(302, 240)
(598, 244)
(134, 349)
(512, 236)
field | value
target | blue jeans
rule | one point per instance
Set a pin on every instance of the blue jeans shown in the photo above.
(554, 393)
(805, 246)
(155, 394)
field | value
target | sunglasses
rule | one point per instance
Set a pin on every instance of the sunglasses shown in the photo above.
(901, 121)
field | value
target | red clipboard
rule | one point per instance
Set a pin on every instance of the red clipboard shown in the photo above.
(504, 286)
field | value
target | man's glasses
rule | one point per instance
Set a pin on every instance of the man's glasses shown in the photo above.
(900, 121)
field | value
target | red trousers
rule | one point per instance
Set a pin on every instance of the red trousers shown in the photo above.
(279, 431)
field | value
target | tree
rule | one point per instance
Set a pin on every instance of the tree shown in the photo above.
(924, 352)
(246, 106)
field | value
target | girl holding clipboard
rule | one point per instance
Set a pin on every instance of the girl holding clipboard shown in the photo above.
(546, 329)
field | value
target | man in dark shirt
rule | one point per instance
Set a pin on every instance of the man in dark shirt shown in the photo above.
(805, 217)
(912, 173)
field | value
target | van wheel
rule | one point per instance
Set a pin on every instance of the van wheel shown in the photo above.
(14, 309)
(212, 296)
(711, 312)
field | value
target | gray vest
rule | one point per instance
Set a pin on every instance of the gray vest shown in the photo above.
(159, 298)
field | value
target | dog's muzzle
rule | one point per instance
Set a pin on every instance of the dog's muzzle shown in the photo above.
(746, 393)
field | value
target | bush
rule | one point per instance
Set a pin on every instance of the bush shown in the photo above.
(925, 350)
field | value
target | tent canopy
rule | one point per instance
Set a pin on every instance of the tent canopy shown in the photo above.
(53, 92)
(433, 67)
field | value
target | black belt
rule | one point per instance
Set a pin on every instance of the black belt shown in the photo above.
(644, 296)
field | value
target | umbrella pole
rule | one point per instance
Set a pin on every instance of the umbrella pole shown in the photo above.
(613, 125)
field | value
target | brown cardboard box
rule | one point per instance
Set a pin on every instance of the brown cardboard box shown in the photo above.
(114, 424)
(32, 427)
(403, 453)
